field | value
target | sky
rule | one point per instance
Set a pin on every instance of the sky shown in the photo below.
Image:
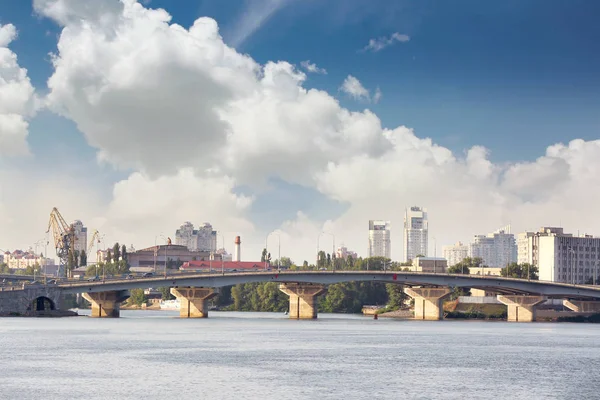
(298, 117)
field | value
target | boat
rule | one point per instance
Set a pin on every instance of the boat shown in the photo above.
(170, 304)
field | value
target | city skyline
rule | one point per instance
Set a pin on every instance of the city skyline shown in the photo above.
(347, 116)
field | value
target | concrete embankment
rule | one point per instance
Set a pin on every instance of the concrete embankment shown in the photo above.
(398, 314)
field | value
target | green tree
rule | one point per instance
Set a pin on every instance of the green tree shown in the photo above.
(459, 269)
(4, 269)
(124, 252)
(285, 262)
(521, 271)
(328, 259)
(71, 261)
(82, 258)
(263, 257)
(396, 295)
(166, 293)
(108, 257)
(137, 297)
(305, 265)
(116, 252)
(321, 259)
(349, 262)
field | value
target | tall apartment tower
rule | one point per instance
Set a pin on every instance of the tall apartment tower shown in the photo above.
(415, 233)
(80, 236)
(379, 239)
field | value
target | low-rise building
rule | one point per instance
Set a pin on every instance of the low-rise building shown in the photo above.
(158, 255)
(227, 266)
(430, 264)
(20, 259)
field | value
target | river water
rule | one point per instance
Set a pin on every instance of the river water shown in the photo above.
(155, 355)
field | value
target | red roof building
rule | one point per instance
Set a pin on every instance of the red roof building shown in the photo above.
(230, 266)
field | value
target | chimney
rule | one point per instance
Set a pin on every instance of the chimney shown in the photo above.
(237, 252)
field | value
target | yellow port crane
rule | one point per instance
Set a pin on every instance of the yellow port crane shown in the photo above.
(95, 239)
(63, 234)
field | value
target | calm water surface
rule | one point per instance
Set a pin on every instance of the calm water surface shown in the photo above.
(154, 355)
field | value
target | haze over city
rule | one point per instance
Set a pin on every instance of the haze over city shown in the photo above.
(301, 117)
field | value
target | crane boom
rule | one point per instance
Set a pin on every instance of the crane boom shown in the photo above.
(63, 234)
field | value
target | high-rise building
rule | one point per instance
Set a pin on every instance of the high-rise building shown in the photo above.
(202, 239)
(379, 239)
(455, 253)
(80, 236)
(415, 233)
(561, 257)
(496, 249)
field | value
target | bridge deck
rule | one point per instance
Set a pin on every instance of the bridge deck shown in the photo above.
(492, 283)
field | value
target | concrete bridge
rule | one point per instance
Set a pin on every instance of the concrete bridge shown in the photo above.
(428, 290)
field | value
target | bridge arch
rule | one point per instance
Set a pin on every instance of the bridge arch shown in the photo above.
(42, 303)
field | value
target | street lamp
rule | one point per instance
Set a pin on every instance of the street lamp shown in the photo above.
(222, 254)
(278, 245)
(166, 247)
(333, 247)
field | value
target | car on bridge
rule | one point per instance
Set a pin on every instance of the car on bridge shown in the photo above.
(94, 279)
(148, 274)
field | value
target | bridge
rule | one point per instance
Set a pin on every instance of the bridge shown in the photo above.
(427, 289)
(11, 277)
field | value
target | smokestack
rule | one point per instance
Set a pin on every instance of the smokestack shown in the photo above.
(237, 252)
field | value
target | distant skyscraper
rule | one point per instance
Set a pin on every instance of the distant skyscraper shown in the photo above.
(415, 233)
(379, 239)
(80, 236)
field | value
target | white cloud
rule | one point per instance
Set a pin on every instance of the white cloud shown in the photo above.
(312, 68)
(377, 96)
(382, 42)
(257, 13)
(195, 119)
(354, 88)
(17, 101)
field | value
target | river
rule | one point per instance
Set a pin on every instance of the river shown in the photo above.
(155, 355)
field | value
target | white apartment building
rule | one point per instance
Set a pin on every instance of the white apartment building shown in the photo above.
(80, 236)
(20, 259)
(415, 233)
(561, 257)
(202, 239)
(343, 253)
(455, 253)
(497, 249)
(379, 239)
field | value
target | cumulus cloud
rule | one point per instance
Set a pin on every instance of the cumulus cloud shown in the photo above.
(355, 89)
(382, 42)
(195, 120)
(16, 98)
(312, 68)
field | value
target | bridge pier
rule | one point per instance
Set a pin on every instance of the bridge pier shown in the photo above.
(194, 301)
(428, 302)
(521, 308)
(303, 299)
(106, 304)
(582, 306)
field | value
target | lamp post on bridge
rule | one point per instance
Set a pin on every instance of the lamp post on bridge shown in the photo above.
(278, 246)
(333, 248)
(222, 254)
(167, 243)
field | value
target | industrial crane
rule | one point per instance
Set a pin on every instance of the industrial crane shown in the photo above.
(95, 239)
(64, 236)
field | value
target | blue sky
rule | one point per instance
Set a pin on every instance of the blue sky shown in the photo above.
(474, 72)
(514, 76)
